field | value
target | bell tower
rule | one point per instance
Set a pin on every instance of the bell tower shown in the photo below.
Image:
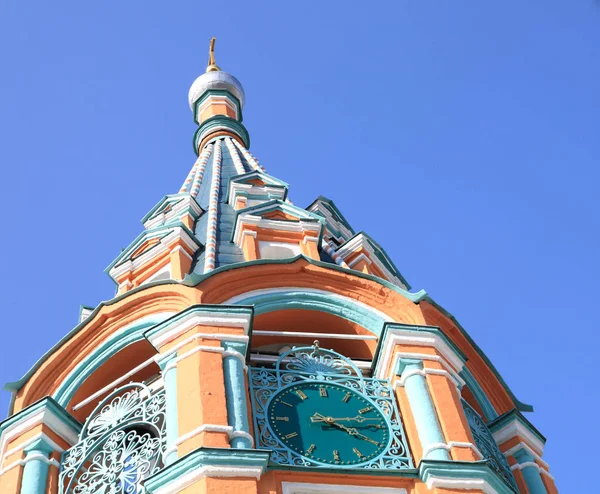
(259, 347)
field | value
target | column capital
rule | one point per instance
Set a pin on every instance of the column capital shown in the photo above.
(46, 413)
(208, 462)
(462, 475)
(427, 344)
(513, 424)
(238, 318)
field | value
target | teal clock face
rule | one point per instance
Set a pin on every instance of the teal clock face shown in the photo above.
(328, 423)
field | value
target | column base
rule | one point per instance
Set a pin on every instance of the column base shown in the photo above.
(470, 475)
(203, 463)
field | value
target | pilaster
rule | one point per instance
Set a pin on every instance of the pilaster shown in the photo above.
(424, 366)
(31, 443)
(523, 446)
(211, 470)
(203, 360)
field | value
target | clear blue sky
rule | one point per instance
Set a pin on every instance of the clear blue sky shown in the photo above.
(462, 136)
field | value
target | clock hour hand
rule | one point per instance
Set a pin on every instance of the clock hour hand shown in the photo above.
(350, 430)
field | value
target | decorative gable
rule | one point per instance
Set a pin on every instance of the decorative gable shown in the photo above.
(363, 254)
(176, 208)
(251, 189)
(277, 229)
(336, 226)
(162, 253)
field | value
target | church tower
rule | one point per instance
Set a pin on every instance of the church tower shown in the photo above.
(255, 346)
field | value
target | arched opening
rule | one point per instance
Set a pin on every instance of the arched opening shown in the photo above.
(122, 365)
(295, 327)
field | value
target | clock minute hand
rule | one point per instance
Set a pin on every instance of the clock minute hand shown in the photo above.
(350, 430)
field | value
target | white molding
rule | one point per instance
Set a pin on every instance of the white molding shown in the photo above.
(458, 381)
(300, 334)
(205, 348)
(164, 245)
(330, 219)
(254, 192)
(310, 488)
(357, 259)
(434, 482)
(423, 372)
(43, 416)
(28, 458)
(407, 336)
(192, 319)
(196, 474)
(156, 318)
(360, 241)
(516, 428)
(530, 450)
(263, 291)
(533, 464)
(183, 206)
(299, 226)
(448, 447)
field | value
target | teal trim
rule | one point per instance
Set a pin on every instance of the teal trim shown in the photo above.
(515, 415)
(47, 403)
(200, 308)
(279, 205)
(324, 302)
(468, 470)
(435, 330)
(218, 92)
(333, 209)
(161, 231)
(35, 471)
(172, 199)
(531, 475)
(195, 279)
(520, 405)
(423, 409)
(270, 180)
(242, 458)
(100, 355)
(220, 121)
(171, 411)
(383, 257)
(235, 391)
(489, 412)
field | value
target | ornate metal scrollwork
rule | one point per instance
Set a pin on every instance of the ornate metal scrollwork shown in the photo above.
(484, 440)
(120, 444)
(317, 364)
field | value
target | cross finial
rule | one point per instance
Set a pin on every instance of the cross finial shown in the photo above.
(212, 65)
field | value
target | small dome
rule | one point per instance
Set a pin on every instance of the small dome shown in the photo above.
(215, 80)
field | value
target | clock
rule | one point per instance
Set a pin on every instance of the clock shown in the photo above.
(328, 423)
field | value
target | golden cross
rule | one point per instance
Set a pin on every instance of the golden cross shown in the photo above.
(212, 66)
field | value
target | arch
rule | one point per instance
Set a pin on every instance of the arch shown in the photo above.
(118, 341)
(283, 298)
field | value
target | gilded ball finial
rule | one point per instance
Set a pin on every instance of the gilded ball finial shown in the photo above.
(212, 65)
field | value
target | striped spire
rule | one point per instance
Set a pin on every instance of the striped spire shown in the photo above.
(210, 253)
(202, 160)
(249, 158)
(237, 162)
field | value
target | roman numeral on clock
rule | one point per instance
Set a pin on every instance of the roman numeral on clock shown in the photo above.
(346, 397)
(323, 392)
(301, 394)
(365, 410)
(290, 435)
